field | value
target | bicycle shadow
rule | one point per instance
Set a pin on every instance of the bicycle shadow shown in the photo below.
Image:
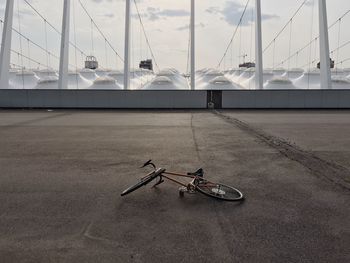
(160, 196)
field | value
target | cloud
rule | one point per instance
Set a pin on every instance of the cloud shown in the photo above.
(100, 1)
(154, 14)
(187, 27)
(107, 15)
(232, 12)
(310, 3)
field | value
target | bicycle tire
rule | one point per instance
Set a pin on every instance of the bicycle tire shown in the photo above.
(143, 182)
(220, 191)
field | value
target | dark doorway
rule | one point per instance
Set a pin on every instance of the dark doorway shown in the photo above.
(214, 98)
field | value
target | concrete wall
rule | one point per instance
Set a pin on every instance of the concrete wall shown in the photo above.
(293, 99)
(239, 99)
(102, 99)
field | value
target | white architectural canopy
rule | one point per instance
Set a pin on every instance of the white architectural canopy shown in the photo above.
(65, 79)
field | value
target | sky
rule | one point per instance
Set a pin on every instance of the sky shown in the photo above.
(166, 23)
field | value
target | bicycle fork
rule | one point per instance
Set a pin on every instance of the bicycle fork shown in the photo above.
(160, 181)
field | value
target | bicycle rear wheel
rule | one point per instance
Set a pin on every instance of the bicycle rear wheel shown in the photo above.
(219, 191)
(144, 181)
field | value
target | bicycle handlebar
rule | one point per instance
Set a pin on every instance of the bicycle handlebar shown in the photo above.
(149, 163)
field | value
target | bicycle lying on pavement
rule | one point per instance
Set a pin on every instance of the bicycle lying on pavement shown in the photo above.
(197, 184)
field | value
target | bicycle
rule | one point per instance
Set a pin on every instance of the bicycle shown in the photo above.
(198, 184)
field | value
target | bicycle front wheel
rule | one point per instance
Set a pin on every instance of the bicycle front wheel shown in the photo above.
(136, 186)
(219, 191)
(143, 182)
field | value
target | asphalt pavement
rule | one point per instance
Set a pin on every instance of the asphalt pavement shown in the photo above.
(62, 172)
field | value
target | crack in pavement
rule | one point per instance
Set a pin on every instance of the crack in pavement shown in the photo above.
(194, 139)
(318, 167)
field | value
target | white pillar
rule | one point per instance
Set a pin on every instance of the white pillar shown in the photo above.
(193, 45)
(326, 82)
(258, 47)
(5, 55)
(127, 47)
(64, 56)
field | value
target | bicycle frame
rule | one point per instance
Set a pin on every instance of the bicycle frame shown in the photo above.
(167, 174)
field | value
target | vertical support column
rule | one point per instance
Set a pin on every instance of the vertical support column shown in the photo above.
(326, 81)
(5, 55)
(193, 46)
(64, 55)
(127, 47)
(258, 47)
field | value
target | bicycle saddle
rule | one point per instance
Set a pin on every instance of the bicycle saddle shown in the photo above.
(199, 173)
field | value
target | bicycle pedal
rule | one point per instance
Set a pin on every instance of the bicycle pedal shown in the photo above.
(183, 190)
